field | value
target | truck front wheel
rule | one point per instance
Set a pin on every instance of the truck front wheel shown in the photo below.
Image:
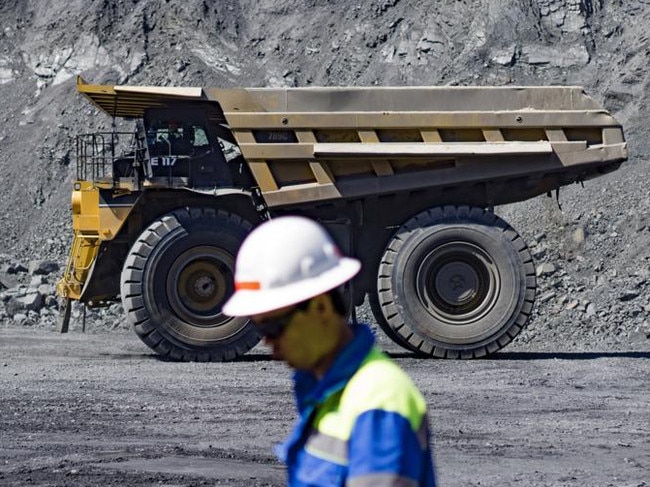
(456, 282)
(175, 280)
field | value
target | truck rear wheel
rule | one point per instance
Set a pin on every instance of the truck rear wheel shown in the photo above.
(175, 280)
(456, 282)
(380, 312)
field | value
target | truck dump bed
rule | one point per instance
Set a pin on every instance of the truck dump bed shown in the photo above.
(478, 145)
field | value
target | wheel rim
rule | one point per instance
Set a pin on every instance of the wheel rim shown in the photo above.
(198, 283)
(457, 283)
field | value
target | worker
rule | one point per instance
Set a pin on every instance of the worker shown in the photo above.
(362, 421)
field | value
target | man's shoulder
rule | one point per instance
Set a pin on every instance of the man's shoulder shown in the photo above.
(377, 362)
(380, 383)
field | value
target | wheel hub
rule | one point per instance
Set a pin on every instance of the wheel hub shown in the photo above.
(457, 283)
(204, 286)
(201, 285)
(198, 283)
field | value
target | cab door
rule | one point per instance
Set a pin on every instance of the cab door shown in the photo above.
(182, 150)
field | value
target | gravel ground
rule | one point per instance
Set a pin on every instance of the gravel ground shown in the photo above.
(99, 409)
(591, 254)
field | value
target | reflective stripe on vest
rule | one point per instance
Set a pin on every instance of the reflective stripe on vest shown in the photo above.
(335, 450)
(327, 447)
(379, 384)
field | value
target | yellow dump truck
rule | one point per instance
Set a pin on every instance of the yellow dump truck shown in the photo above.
(405, 179)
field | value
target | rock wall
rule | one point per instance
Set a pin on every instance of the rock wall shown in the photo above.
(602, 45)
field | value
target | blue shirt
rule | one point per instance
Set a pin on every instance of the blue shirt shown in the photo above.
(364, 424)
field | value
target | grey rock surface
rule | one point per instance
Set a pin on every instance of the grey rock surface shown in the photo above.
(591, 253)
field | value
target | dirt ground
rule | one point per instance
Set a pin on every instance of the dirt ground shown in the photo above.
(100, 409)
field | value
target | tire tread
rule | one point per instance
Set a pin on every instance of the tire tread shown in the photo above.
(387, 312)
(131, 283)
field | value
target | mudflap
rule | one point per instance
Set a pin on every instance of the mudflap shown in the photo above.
(64, 317)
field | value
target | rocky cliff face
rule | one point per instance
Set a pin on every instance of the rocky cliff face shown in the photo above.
(602, 45)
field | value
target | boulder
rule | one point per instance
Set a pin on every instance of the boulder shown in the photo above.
(28, 302)
(42, 267)
(13, 268)
(13, 306)
(20, 318)
(37, 280)
(545, 269)
(6, 281)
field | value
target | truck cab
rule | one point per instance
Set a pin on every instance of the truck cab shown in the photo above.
(170, 147)
(182, 147)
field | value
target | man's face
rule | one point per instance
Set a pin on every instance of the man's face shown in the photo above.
(306, 337)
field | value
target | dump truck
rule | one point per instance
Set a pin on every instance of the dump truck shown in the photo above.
(404, 178)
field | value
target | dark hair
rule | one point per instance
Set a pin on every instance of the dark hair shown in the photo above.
(338, 301)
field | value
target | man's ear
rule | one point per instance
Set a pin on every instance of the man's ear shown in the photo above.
(321, 304)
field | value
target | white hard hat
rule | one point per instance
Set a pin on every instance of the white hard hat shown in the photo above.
(285, 261)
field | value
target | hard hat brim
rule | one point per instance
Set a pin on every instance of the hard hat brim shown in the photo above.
(246, 302)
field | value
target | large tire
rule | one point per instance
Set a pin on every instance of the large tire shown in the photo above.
(175, 280)
(378, 312)
(456, 282)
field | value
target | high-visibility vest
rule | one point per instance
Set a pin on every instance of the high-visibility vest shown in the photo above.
(373, 432)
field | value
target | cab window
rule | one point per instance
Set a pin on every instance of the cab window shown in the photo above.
(200, 138)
